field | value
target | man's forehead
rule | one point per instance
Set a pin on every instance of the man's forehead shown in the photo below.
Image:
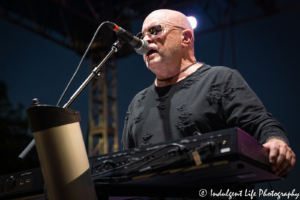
(153, 19)
(166, 16)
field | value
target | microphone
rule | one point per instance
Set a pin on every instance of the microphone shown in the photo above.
(140, 46)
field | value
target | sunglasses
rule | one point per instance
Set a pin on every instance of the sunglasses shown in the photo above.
(155, 31)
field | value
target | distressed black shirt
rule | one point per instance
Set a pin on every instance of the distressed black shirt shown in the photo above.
(210, 99)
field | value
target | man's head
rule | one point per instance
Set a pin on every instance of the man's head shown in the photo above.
(174, 46)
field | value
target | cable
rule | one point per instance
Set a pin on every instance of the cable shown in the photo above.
(203, 147)
(135, 161)
(270, 185)
(157, 166)
(150, 154)
(199, 149)
(140, 172)
(124, 175)
(156, 157)
(129, 163)
(80, 63)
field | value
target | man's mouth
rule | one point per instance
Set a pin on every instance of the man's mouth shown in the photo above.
(151, 51)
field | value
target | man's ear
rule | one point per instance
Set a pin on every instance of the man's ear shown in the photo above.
(187, 37)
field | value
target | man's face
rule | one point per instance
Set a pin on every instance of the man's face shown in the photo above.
(165, 49)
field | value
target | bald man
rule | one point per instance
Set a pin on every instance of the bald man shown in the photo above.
(190, 97)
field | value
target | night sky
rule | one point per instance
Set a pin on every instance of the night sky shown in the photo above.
(267, 56)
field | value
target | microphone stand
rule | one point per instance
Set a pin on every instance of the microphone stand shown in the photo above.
(65, 168)
(117, 45)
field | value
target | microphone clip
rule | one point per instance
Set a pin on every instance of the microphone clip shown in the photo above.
(117, 45)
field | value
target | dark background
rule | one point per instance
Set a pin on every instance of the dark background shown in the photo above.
(267, 56)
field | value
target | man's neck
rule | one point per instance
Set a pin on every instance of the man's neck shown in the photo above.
(192, 67)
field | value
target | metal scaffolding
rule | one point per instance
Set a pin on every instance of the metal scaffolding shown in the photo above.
(103, 112)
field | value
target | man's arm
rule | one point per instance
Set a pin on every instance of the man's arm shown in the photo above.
(242, 108)
(127, 140)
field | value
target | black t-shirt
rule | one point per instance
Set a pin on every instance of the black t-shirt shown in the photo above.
(210, 99)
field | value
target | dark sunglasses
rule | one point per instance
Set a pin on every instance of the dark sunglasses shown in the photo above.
(156, 31)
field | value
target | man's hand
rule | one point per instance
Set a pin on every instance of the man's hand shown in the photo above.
(281, 156)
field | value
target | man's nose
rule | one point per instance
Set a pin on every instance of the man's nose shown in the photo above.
(147, 38)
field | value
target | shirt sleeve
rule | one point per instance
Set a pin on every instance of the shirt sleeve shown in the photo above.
(127, 140)
(242, 108)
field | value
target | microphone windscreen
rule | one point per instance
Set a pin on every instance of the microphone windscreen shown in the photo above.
(142, 49)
